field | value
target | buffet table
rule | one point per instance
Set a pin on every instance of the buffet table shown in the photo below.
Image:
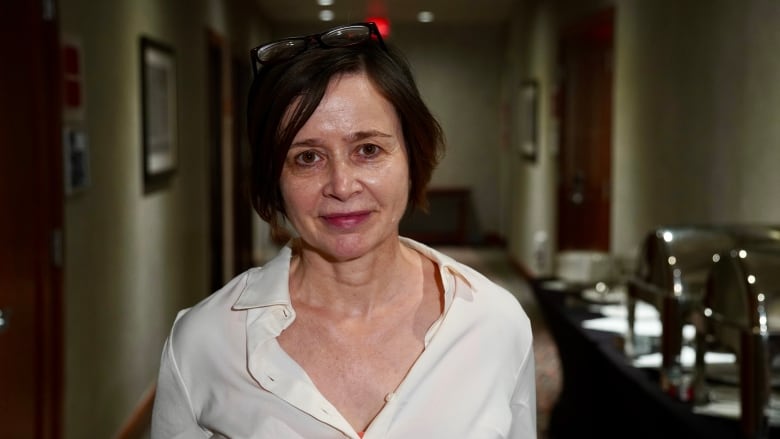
(604, 395)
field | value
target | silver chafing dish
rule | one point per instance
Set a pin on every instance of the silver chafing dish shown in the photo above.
(671, 275)
(741, 309)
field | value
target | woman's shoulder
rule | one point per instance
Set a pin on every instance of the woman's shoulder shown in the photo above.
(478, 283)
(481, 306)
(212, 315)
(254, 288)
(490, 294)
(487, 301)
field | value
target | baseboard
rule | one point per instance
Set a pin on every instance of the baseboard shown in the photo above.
(522, 270)
(140, 418)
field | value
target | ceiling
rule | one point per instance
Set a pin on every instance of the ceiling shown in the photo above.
(398, 11)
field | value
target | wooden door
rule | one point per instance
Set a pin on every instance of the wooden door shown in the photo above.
(585, 159)
(31, 214)
(214, 52)
(242, 204)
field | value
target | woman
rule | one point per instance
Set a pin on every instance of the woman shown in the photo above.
(351, 331)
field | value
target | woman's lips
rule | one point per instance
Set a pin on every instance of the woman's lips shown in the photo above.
(346, 220)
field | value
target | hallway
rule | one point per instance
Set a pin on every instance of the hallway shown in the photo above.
(494, 263)
(695, 141)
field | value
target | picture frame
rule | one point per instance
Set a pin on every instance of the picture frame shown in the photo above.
(159, 113)
(529, 119)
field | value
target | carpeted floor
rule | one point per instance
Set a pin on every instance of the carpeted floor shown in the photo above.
(494, 263)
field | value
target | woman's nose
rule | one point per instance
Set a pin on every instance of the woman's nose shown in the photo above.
(343, 180)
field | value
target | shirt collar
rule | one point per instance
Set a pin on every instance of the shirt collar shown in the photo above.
(445, 263)
(269, 285)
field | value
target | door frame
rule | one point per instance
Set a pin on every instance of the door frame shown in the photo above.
(31, 39)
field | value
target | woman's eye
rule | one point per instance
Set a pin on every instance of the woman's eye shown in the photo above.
(306, 158)
(369, 150)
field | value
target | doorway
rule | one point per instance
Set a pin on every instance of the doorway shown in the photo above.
(242, 200)
(585, 150)
(230, 211)
(214, 54)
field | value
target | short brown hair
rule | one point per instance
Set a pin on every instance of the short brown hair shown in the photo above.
(306, 77)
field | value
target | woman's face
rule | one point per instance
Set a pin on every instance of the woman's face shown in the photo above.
(345, 181)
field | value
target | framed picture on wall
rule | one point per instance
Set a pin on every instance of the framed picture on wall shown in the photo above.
(529, 119)
(158, 109)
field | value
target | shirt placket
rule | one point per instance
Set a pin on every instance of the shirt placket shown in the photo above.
(380, 427)
(276, 372)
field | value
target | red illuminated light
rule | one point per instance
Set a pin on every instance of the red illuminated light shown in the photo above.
(383, 24)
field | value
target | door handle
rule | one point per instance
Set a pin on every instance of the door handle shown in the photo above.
(4, 320)
(578, 188)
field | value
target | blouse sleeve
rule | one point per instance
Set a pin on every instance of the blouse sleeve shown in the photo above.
(524, 399)
(173, 416)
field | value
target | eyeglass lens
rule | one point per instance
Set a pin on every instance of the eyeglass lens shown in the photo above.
(339, 37)
(346, 36)
(281, 50)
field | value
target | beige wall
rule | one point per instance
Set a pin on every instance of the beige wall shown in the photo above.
(458, 72)
(134, 259)
(530, 189)
(695, 132)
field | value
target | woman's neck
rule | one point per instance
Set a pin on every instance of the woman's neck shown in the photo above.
(357, 286)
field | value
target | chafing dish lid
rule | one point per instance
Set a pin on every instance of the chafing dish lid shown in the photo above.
(743, 288)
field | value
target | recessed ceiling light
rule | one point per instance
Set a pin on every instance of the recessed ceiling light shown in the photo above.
(425, 16)
(326, 15)
(325, 2)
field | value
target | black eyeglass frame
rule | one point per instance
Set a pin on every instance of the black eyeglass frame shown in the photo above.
(315, 39)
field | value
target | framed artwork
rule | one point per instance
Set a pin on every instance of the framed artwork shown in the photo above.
(529, 119)
(158, 109)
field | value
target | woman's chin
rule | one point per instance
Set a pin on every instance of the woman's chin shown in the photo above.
(344, 248)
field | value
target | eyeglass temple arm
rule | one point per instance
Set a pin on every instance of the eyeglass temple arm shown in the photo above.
(253, 61)
(378, 34)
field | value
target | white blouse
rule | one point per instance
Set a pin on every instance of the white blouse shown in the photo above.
(223, 374)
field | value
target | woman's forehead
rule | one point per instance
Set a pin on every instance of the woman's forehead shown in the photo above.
(351, 103)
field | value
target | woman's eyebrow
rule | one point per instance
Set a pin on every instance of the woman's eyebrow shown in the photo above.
(351, 137)
(306, 143)
(361, 135)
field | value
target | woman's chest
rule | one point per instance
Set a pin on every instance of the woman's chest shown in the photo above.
(356, 370)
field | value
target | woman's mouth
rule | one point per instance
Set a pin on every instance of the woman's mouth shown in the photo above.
(346, 220)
